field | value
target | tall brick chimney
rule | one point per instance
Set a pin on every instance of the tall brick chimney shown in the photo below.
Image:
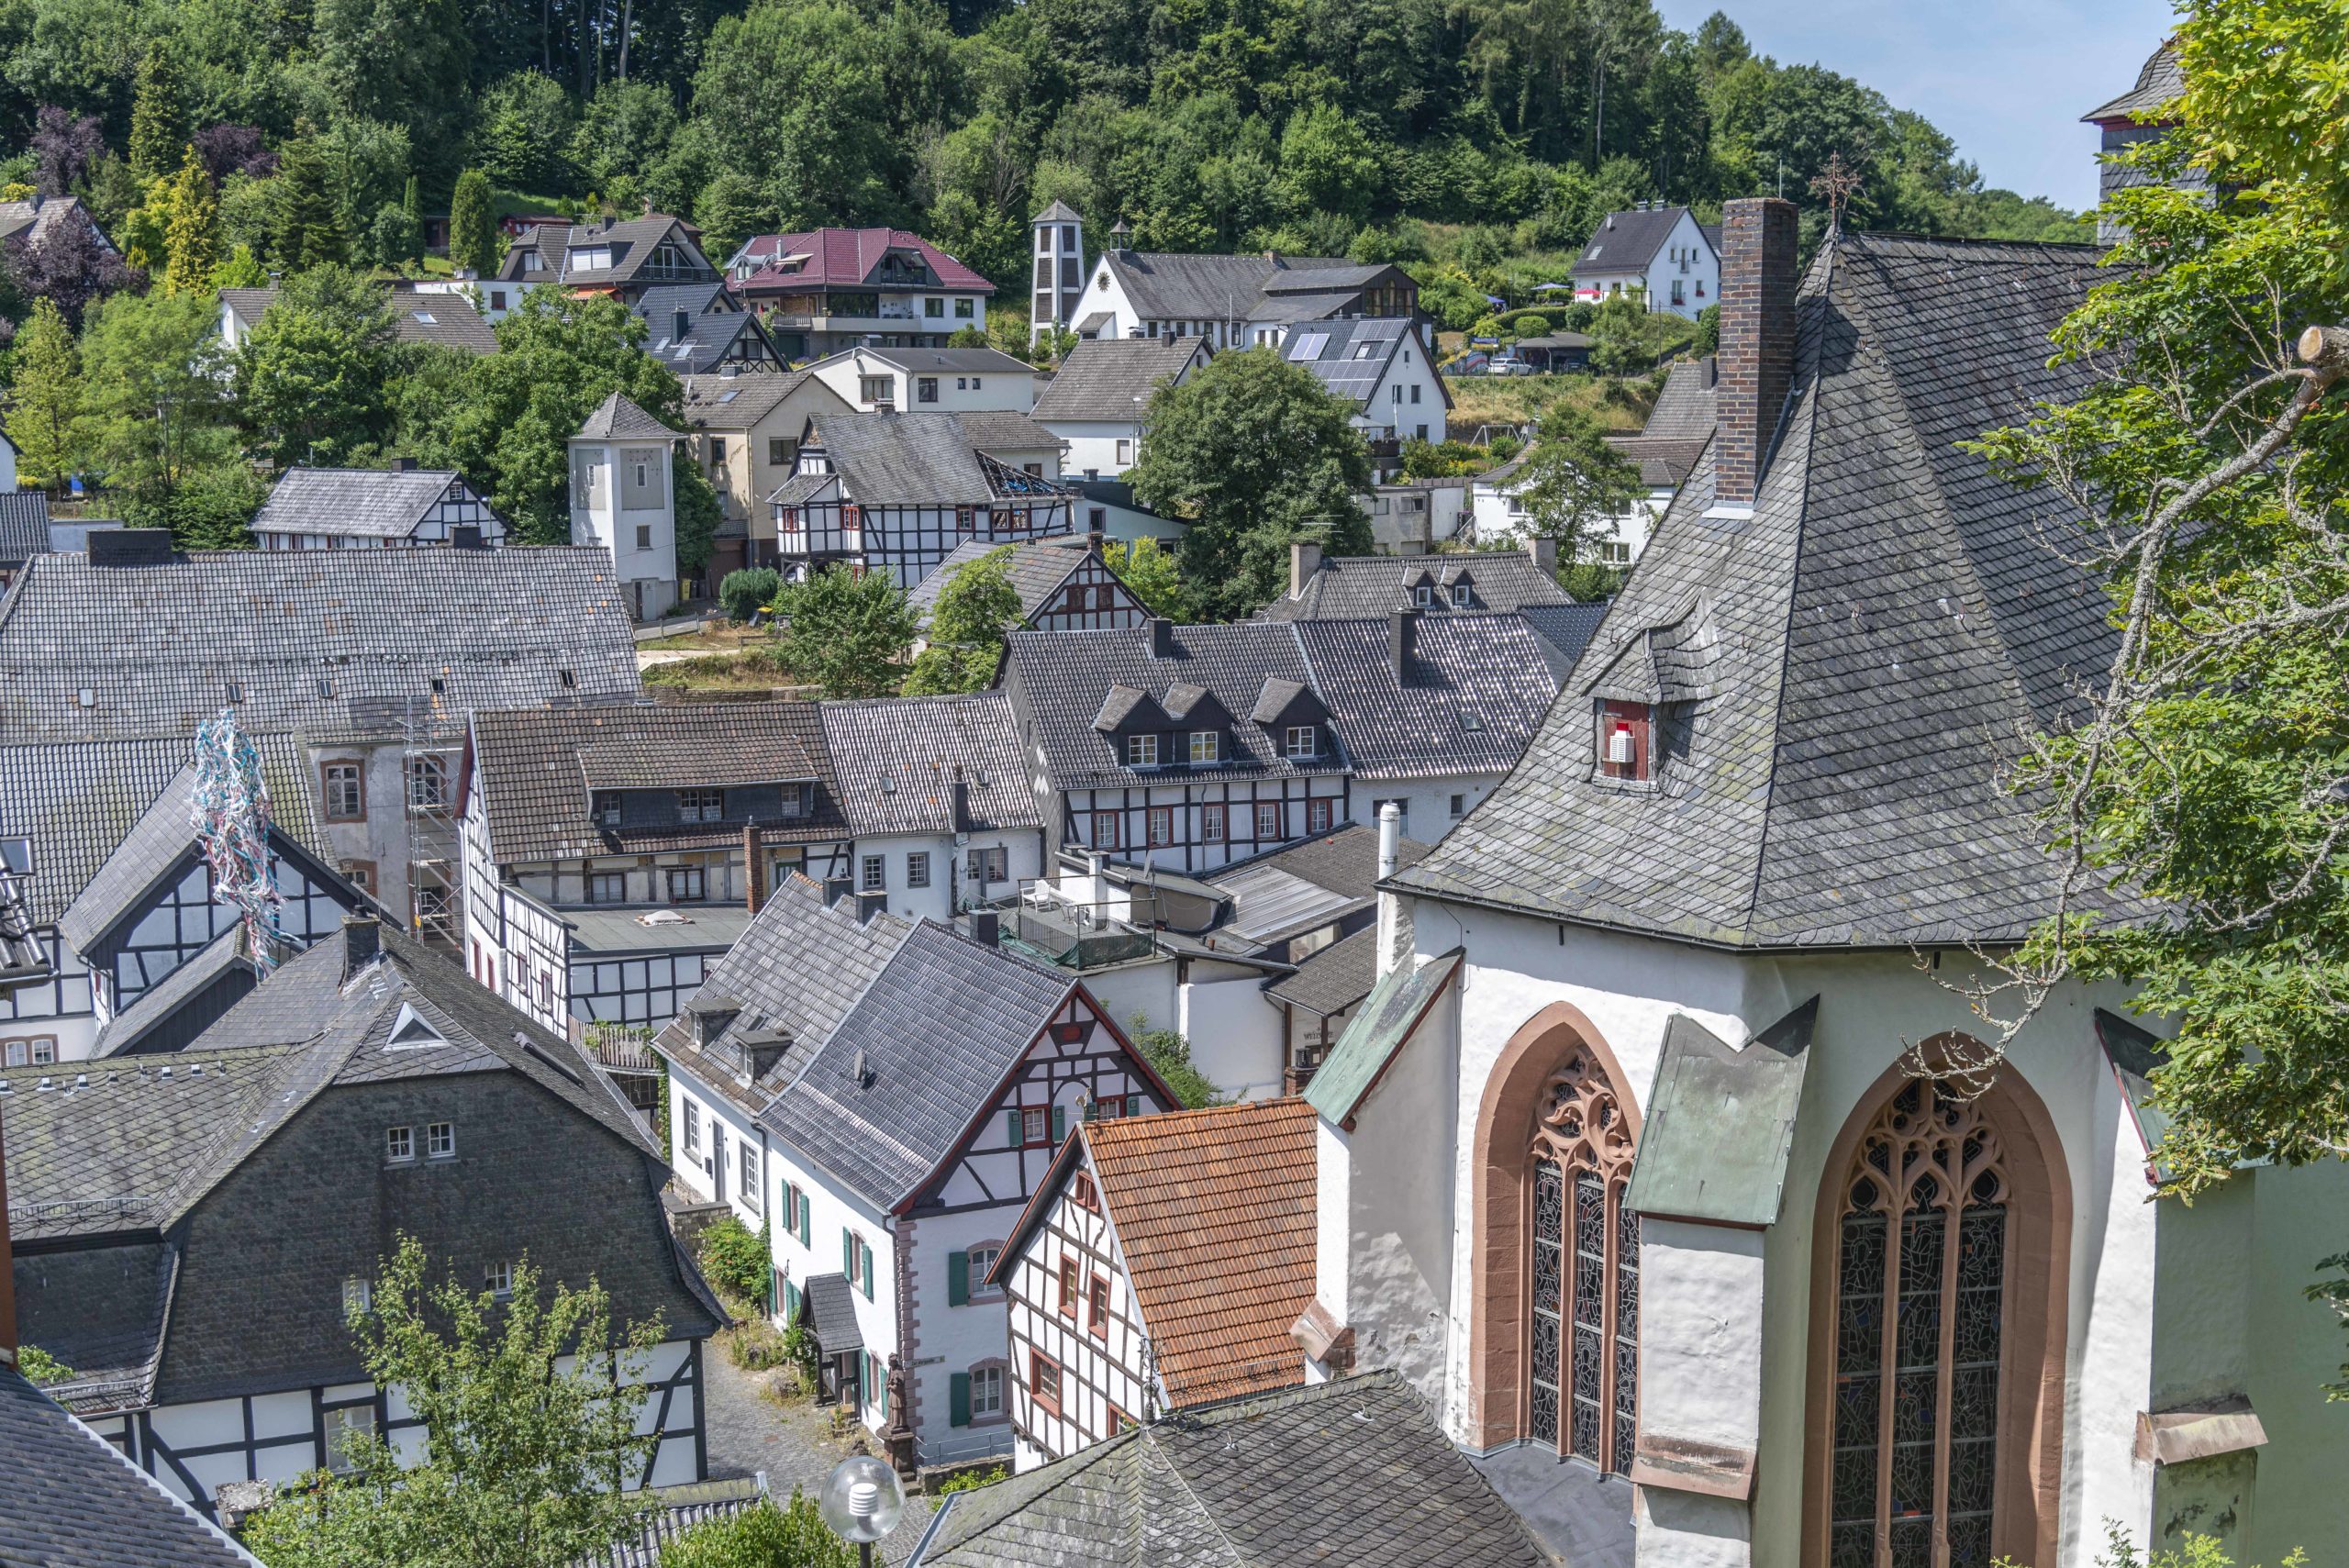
(1757, 352)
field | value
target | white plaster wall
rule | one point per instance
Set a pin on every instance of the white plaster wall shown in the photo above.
(1411, 373)
(1427, 803)
(831, 1209)
(1145, 988)
(2113, 1380)
(948, 1339)
(1093, 445)
(1235, 1034)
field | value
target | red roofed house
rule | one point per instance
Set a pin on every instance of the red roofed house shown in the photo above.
(836, 288)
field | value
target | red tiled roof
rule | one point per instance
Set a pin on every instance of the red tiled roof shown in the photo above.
(1214, 1212)
(844, 258)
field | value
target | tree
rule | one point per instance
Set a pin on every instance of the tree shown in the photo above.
(1251, 452)
(64, 149)
(524, 1460)
(234, 149)
(976, 609)
(46, 399)
(2198, 806)
(154, 404)
(314, 377)
(473, 225)
(67, 264)
(1153, 574)
(698, 513)
(211, 508)
(844, 631)
(762, 1536)
(158, 125)
(524, 136)
(395, 237)
(192, 231)
(747, 592)
(1169, 1055)
(308, 232)
(403, 63)
(1571, 479)
(240, 270)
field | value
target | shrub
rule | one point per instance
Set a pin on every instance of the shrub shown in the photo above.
(734, 1258)
(746, 593)
(1531, 326)
(1169, 1055)
(757, 1345)
(970, 1481)
(40, 1368)
(762, 1536)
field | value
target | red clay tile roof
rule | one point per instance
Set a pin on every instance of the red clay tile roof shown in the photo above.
(1214, 1212)
(844, 258)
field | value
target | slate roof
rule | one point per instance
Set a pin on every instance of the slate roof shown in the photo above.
(449, 319)
(1064, 675)
(898, 758)
(326, 643)
(1686, 408)
(74, 1501)
(1038, 569)
(1353, 1472)
(1665, 461)
(618, 418)
(845, 259)
(1165, 286)
(1566, 627)
(713, 322)
(353, 503)
(1112, 378)
(740, 402)
(2160, 81)
(954, 362)
(1359, 587)
(922, 458)
(78, 801)
(633, 244)
(830, 1311)
(1847, 720)
(938, 1031)
(1472, 691)
(160, 1003)
(100, 1311)
(42, 215)
(534, 766)
(1213, 1211)
(24, 525)
(1350, 353)
(1333, 980)
(1627, 242)
(1344, 862)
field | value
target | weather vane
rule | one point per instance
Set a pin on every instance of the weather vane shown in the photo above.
(1836, 183)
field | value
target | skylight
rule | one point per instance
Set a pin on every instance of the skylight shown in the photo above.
(410, 1031)
(1309, 347)
(426, 317)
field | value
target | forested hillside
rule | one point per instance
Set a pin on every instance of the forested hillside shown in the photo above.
(1311, 124)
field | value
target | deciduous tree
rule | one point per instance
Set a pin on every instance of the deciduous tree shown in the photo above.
(46, 399)
(1154, 572)
(845, 632)
(154, 405)
(964, 640)
(1571, 481)
(314, 377)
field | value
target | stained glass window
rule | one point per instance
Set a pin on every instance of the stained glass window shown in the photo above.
(1920, 1285)
(1584, 1354)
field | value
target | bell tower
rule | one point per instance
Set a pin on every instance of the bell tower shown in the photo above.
(1057, 263)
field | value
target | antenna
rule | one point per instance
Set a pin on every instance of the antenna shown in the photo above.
(1835, 183)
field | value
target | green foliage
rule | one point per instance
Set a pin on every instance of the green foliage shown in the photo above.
(2334, 1294)
(747, 592)
(158, 119)
(1153, 572)
(305, 230)
(975, 610)
(971, 1480)
(153, 407)
(1708, 341)
(756, 1345)
(46, 399)
(40, 1368)
(1530, 326)
(1444, 460)
(240, 269)
(524, 1461)
(2192, 1551)
(523, 139)
(1252, 452)
(211, 508)
(762, 1536)
(314, 377)
(844, 632)
(1591, 580)
(1571, 481)
(698, 512)
(473, 224)
(1169, 1055)
(192, 233)
(734, 1258)
(2214, 469)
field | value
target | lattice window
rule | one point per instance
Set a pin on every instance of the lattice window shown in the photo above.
(1922, 1250)
(1585, 1354)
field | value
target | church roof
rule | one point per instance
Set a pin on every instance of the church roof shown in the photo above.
(1852, 661)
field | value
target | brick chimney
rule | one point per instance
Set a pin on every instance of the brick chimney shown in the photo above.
(754, 871)
(7, 1278)
(1757, 352)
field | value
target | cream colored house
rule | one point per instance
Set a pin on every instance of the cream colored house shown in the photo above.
(745, 434)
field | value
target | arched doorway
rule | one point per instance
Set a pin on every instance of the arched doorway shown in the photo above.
(1935, 1411)
(1554, 1313)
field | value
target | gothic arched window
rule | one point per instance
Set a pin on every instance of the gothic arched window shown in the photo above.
(1585, 1351)
(1921, 1290)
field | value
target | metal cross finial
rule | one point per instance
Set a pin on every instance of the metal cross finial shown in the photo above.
(1836, 183)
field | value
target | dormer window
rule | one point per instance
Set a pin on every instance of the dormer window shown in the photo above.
(1207, 746)
(1460, 594)
(1625, 740)
(608, 808)
(701, 806)
(1303, 742)
(1142, 751)
(1424, 596)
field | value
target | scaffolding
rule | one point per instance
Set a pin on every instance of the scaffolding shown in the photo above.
(428, 781)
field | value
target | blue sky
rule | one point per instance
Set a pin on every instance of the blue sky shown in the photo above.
(2008, 79)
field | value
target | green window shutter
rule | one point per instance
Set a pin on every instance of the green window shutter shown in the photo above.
(1011, 1122)
(1093, 1109)
(848, 1250)
(807, 1222)
(958, 1399)
(865, 1253)
(1133, 1104)
(1060, 1125)
(958, 1278)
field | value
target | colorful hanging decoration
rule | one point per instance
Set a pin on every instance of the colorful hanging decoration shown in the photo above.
(231, 811)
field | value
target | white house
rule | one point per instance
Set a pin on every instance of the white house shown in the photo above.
(1229, 301)
(1161, 1264)
(1660, 254)
(1097, 401)
(1671, 1103)
(363, 508)
(1499, 513)
(886, 1095)
(928, 381)
(1382, 365)
(622, 497)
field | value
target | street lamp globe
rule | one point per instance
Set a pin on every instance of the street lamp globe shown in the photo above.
(861, 1500)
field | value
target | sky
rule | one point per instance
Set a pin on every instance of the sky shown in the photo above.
(2007, 79)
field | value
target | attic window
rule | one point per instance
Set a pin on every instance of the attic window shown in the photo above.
(1424, 596)
(426, 317)
(570, 679)
(1142, 751)
(1469, 719)
(1625, 732)
(1460, 594)
(411, 1031)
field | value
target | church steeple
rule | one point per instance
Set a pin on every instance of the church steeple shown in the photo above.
(1058, 264)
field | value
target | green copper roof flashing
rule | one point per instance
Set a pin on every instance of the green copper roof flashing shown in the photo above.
(1389, 1016)
(1721, 1123)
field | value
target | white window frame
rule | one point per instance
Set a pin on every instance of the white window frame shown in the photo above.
(1207, 746)
(1142, 751)
(441, 1141)
(498, 1279)
(987, 1391)
(399, 1145)
(1302, 742)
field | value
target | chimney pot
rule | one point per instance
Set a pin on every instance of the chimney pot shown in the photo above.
(1162, 637)
(1402, 631)
(1544, 552)
(1304, 562)
(361, 940)
(1757, 351)
(754, 871)
(835, 889)
(869, 904)
(985, 931)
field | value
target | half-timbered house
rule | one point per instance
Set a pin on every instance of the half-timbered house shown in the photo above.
(899, 492)
(192, 1230)
(887, 1095)
(605, 848)
(620, 259)
(1062, 582)
(700, 329)
(1161, 1264)
(370, 508)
